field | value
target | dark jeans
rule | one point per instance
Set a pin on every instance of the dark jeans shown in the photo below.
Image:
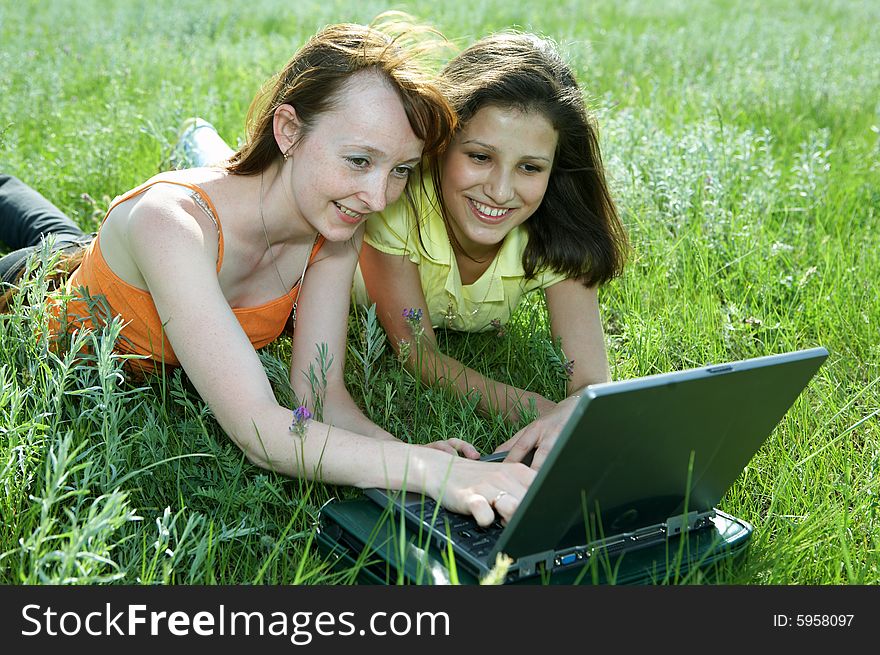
(25, 218)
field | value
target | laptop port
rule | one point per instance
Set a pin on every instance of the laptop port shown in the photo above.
(569, 558)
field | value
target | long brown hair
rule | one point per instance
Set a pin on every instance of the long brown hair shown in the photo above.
(393, 46)
(576, 230)
(313, 78)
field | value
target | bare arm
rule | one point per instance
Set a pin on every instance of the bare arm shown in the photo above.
(322, 324)
(574, 318)
(393, 283)
(168, 245)
(321, 334)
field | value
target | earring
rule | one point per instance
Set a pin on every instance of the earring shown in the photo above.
(285, 156)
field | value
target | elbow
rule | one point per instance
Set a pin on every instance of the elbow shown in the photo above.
(254, 452)
(419, 359)
(253, 437)
(260, 457)
(258, 461)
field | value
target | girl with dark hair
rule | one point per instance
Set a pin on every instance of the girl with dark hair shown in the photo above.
(521, 204)
(204, 265)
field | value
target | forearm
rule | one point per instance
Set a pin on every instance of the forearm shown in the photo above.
(332, 454)
(435, 368)
(593, 371)
(341, 410)
(570, 401)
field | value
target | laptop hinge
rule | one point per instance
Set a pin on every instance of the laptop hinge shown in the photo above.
(684, 523)
(528, 565)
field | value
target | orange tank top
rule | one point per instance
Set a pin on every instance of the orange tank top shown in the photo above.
(143, 333)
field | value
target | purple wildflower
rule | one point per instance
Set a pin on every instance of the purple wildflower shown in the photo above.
(413, 316)
(496, 324)
(301, 417)
(569, 368)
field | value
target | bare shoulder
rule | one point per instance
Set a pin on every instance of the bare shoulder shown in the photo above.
(170, 216)
(163, 217)
(160, 209)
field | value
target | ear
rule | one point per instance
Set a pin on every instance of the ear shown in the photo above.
(286, 127)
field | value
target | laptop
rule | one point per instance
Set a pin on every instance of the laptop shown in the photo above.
(640, 462)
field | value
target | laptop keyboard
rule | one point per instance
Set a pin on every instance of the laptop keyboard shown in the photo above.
(464, 530)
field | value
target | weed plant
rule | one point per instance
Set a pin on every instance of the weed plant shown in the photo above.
(741, 141)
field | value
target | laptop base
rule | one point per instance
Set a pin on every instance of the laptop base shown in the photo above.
(368, 544)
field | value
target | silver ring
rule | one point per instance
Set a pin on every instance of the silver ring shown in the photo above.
(498, 497)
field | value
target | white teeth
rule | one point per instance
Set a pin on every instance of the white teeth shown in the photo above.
(347, 211)
(489, 210)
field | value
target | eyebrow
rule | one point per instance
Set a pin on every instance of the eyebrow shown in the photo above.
(494, 149)
(370, 150)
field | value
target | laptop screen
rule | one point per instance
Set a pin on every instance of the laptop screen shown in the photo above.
(637, 452)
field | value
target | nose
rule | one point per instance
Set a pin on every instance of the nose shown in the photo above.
(499, 186)
(375, 193)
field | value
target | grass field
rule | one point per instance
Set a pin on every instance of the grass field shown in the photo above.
(741, 139)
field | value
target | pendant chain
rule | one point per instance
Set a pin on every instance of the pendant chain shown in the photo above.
(275, 263)
(451, 314)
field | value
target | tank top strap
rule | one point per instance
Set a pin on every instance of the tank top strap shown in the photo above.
(315, 248)
(201, 198)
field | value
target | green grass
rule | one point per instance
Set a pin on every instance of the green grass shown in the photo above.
(741, 139)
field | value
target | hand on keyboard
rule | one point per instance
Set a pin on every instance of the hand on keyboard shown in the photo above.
(537, 438)
(455, 447)
(482, 488)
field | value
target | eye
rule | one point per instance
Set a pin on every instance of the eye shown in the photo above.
(478, 157)
(402, 172)
(532, 168)
(358, 162)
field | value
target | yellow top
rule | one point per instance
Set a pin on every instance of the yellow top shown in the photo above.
(452, 305)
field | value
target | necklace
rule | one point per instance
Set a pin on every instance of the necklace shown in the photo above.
(453, 241)
(451, 314)
(302, 277)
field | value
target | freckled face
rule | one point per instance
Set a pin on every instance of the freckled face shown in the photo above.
(355, 159)
(495, 174)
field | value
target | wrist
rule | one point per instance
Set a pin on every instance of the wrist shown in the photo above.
(544, 406)
(573, 398)
(433, 468)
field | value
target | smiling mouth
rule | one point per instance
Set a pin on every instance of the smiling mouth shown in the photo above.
(488, 212)
(349, 213)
